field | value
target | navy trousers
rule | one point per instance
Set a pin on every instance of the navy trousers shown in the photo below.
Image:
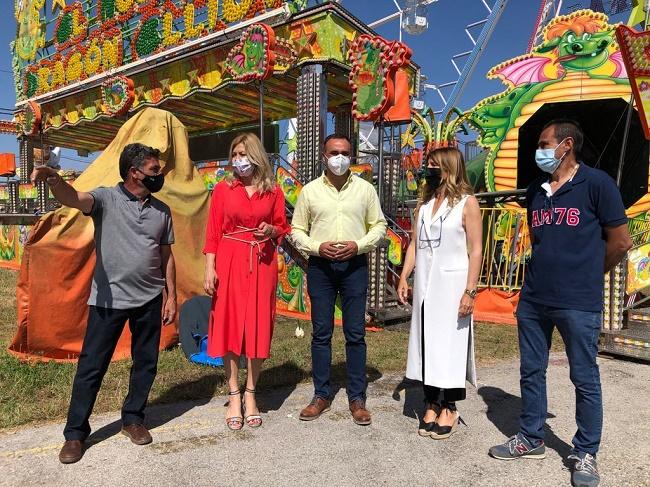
(325, 280)
(579, 331)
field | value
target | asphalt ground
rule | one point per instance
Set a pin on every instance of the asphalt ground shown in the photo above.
(192, 445)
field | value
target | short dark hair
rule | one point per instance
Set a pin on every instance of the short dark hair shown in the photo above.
(336, 136)
(134, 155)
(565, 128)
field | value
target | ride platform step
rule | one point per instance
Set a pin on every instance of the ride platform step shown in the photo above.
(631, 341)
(389, 315)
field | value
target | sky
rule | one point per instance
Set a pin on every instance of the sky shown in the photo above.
(432, 50)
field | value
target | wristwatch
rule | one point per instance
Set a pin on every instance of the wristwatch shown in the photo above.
(53, 182)
(471, 292)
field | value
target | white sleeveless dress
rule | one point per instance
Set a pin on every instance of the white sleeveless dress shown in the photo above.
(441, 347)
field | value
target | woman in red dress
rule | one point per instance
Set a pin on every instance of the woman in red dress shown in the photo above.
(247, 221)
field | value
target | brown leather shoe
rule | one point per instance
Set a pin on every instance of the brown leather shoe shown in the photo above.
(360, 415)
(316, 407)
(137, 433)
(71, 451)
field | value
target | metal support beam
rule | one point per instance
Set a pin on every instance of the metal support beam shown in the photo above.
(26, 159)
(547, 10)
(43, 196)
(385, 20)
(380, 167)
(345, 124)
(261, 87)
(472, 59)
(312, 120)
(469, 58)
(377, 268)
(14, 202)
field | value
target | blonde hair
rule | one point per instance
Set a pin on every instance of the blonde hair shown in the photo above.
(262, 171)
(454, 182)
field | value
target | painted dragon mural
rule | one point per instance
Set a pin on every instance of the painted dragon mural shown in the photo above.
(579, 59)
(31, 28)
(253, 56)
(292, 286)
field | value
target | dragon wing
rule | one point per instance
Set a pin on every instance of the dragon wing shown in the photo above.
(519, 71)
(617, 59)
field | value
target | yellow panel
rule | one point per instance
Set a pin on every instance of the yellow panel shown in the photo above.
(507, 153)
(513, 134)
(584, 92)
(519, 121)
(505, 162)
(72, 116)
(578, 83)
(509, 144)
(636, 210)
(506, 173)
(531, 108)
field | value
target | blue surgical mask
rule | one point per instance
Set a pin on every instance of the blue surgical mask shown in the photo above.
(546, 160)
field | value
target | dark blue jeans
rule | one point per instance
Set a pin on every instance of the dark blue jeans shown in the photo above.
(103, 331)
(579, 331)
(326, 279)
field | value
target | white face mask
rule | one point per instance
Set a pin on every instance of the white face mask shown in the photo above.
(339, 164)
(243, 166)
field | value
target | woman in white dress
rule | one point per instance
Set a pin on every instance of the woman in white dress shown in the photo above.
(445, 251)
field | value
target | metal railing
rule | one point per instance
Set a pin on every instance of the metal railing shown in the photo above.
(279, 161)
(506, 248)
(635, 265)
(506, 242)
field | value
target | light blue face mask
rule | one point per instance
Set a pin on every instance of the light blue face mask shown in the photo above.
(546, 160)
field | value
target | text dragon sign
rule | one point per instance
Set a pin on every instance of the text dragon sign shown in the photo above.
(96, 36)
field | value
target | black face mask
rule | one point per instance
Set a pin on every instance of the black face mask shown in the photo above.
(153, 183)
(432, 176)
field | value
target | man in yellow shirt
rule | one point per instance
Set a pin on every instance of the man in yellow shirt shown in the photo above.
(337, 220)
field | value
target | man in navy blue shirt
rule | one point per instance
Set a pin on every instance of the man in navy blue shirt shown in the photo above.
(578, 229)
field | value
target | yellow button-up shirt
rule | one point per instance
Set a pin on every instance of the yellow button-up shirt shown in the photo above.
(324, 214)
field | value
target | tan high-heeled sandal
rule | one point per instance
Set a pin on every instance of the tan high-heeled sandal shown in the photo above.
(252, 420)
(234, 423)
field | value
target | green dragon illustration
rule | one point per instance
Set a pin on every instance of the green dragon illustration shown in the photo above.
(580, 43)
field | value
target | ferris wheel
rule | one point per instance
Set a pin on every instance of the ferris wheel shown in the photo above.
(413, 19)
(412, 16)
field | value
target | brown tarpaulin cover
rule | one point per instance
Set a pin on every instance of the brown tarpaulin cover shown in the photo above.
(59, 258)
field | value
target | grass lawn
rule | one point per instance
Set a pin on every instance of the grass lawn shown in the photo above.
(39, 392)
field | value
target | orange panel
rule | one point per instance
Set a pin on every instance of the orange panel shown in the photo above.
(401, 109)
(7, 164)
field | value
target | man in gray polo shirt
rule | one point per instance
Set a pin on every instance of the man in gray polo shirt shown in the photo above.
(133, 238)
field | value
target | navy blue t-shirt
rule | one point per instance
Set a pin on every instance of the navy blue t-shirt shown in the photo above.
(567, 265)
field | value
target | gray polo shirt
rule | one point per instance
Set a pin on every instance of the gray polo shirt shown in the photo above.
(128, 236)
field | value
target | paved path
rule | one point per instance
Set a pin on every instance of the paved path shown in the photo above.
(193, 447)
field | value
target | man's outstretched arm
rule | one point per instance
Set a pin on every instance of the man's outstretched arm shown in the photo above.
(62, 191)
